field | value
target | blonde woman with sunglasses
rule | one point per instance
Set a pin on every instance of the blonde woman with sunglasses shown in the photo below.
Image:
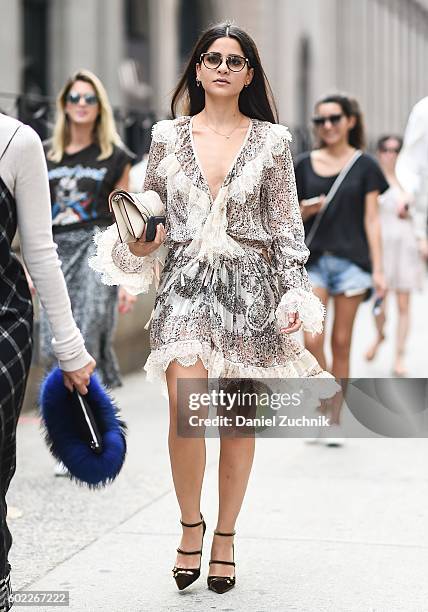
(86, 160)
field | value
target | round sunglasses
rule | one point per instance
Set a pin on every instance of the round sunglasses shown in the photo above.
(213, 60)
(74, 98)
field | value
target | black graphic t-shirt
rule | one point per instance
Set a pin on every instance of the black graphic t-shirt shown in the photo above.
(80, 185)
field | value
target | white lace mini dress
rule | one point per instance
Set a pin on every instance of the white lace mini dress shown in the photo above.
(232, 267)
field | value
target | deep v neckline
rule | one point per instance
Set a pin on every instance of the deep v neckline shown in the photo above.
(235, 159)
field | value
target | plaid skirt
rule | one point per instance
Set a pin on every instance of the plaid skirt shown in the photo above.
(16, 319)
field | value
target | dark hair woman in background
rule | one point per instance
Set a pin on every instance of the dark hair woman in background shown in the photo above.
(403, 253)
(346, 254)
(235, 258)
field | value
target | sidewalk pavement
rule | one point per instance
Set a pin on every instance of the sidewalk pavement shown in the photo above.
(321, 529)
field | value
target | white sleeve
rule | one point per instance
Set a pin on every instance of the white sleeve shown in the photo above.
(118, 266)
(412, 164)
(31, 192)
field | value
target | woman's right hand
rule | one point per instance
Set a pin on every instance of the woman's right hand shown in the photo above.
(309, 211)
(79, 379)
(141, 248)
(423, 248)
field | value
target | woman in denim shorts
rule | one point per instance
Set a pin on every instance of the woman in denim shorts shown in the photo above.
(346, 254)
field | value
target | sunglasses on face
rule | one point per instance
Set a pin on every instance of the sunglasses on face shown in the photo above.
(74, 98)
(389, 150)
(213, 60)
(321, 121)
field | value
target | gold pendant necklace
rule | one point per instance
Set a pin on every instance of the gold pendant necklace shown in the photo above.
(227, 136)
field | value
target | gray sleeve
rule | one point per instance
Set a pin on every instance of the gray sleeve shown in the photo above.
(31, 191)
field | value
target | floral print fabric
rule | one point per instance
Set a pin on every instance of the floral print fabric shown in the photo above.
(233, 265)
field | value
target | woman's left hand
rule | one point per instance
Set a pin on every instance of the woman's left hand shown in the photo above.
(379, 283)
(126, 301)
(294, 324)
(79, 379)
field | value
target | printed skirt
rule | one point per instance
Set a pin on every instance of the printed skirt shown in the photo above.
(94, 305)
(224, 315)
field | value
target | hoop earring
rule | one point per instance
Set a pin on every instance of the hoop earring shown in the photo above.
(198, 83)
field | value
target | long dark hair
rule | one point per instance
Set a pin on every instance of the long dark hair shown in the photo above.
(255, 101)
(350, 108)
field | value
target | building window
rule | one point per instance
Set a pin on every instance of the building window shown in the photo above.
(137, 24)
(194, 17)
(35, 36)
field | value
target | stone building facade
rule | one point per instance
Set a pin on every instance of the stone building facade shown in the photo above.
(374, 49)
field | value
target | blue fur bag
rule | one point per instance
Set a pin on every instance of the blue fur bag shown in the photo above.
(67, 430)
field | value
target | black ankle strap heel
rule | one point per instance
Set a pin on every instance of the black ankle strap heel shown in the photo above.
(221, 584)
(184, 576)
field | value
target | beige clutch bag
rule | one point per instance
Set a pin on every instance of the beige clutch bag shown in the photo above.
(132, 211)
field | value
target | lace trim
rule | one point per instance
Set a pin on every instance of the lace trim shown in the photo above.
(187, 352)
(164, 132)
(307, 304)
(244, 184)
(118, 266)
(213, 239)
(209, 225)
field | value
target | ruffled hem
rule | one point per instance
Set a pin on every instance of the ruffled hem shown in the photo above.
(187, 352)
(307, 304)
(102, 262)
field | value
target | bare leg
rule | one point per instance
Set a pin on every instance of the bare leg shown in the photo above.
(236, 459)
(380, 325)
(345, 309)
(188, 457)
(403, 303)
(315, 344)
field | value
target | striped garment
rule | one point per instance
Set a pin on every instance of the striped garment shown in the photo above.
(6, 597)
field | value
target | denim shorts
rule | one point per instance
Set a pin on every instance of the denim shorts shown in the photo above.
(339, 275)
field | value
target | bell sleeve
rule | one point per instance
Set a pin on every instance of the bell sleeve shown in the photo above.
(288, 250)
(113, 259)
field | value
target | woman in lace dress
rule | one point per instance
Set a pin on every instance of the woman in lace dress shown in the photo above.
(233, 287)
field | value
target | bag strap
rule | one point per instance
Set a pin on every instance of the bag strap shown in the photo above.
(329, 197)
(8, 143)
